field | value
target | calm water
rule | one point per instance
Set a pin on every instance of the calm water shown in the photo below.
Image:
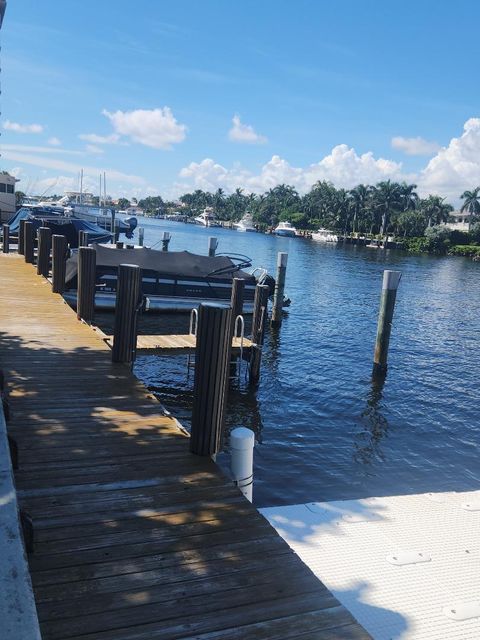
(324, 432)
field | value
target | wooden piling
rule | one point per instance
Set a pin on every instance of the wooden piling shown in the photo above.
(83, 238)
(236, 301)
(211, 375)
(6, 239)
(126, 306)
(166, 240)
(259, 322)
(29, 242)
(279, 289)
(141, 236)
(21, 235)
(212, 246)
(59, 259)
(391, 280)
(87, 262)
(44, 247)
(112, 226)
(116, 230)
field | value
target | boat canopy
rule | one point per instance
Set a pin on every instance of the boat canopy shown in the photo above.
(171, 264)
(69, 227)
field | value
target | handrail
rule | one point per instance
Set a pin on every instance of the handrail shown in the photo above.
(193, 322)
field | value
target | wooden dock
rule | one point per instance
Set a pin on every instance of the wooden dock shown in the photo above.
(178, 344)
(135, 537)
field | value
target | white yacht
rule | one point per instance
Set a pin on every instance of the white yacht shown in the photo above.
(285, 229)
(324, 235)
(245, 224)
(207, 218)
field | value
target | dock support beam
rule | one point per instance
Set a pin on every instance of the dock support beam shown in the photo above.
(166, 240)
(83, 238)
(141, 236)
(6, 239)
(391, 280)
(29, 242)
(87, 262)
(126, 307)
(44, 246)
(59, 259)
(279, 289)
(211, 376)
(21, 235)
(212, 246)
(259, 322)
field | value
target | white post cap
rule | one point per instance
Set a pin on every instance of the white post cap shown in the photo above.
(391, 279)
(242, 438)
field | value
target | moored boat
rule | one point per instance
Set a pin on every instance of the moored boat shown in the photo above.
(207, 218)
(172, 281)
(285, 229)
(324, 235)
(245, 224)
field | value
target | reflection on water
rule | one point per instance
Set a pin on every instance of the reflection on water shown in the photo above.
(324, 430)
(368, 441)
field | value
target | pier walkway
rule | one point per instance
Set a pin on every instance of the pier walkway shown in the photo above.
(135, 538)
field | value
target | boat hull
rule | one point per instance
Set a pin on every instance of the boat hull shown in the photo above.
(154, 304)
(284, 233)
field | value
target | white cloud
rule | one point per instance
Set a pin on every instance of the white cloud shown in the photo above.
(155, 128)
(95, 139)
(55, 142)
(92, 148)
(244, 133)
(56, 164)
(343, 166)
(415, 146)
(456, 167)
(22, 128)
(22, 148)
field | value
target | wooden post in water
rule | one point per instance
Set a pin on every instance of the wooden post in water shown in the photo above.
(112, 226)
(141, 236)
(212, 246)
(391, 280)
(6, 239)
(211, 375)
(236, 301)
(279, 289)
(259, 322)
(126, 305)
(166, 240)
(116, 228)
(87, 262)
(21, 235)
(28, 242)
(83, 238)
(44, 246)
(59, 260)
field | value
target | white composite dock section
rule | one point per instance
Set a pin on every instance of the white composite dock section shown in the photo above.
(406, 567)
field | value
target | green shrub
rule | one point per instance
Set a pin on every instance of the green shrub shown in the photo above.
(464, 250)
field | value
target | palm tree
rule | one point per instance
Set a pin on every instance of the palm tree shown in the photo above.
(472, 201)
(435, 210)
(387, 200)
(360, 196)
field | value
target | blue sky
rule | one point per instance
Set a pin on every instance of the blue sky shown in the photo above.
(171, 96)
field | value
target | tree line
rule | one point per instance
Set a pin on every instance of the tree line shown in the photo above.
(385, 208)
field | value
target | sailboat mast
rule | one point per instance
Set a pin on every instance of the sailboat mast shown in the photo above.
(81, 186)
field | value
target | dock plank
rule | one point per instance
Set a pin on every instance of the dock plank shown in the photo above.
(136, 538)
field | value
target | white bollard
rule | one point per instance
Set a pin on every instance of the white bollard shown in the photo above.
(242, 441)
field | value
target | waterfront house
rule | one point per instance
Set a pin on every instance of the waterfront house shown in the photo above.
(459, 221)
(7, 196)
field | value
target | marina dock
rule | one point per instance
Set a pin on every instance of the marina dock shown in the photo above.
(134, 537)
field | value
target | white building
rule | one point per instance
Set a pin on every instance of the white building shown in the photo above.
(7, 196)
(461, 221)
